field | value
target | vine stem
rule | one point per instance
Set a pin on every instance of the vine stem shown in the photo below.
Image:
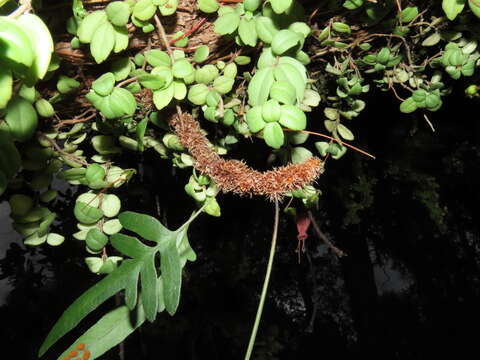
(333, 139)
(253, 334)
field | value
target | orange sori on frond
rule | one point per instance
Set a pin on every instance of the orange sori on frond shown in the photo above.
(234, 175)
(78, 349)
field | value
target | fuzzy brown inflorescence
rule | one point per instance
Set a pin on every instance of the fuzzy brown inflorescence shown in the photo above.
(234, 175)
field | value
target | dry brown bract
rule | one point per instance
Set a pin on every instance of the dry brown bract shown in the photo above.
(234, 175)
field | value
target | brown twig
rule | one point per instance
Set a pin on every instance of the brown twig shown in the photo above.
(324, 237)
(189, 32)
(333, 139)
(61, 151)
(74, 121)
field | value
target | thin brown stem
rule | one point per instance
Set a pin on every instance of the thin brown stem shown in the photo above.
(324, 237)
(337, 141)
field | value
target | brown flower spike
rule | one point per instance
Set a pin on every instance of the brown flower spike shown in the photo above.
(234, 175)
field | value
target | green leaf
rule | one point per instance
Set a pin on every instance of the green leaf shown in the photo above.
(66, 84)
(90, 24)
(273, 135)
(252, 5)
(206, 74)
(255, 120)
(284, 41)
(140, 131)
(452, 8)
(293, 118)
(104, 84)
(111, 227)
(289, 73)
(158, 58)
(408, 106)
(341, 28)
(105, 145)
(121, 68)
(35, 240)
(248, 32)
(280, 6)
(87, 214)
(265, 28)
(408, 14)
(179, 90)
(227, 24)
(109, 331)
(111, 205)
(146, 226)
(42, 44)
(16, 47)
(223, 84)
(182, 68)
(124, 100)
(54, 239)
(259, 87)
(152, 81)
(21, 118)
(96, 240)
(118, 12)
(171, 277)
(6, 82)
(169, 8)
(144, 10)
(283, 92)
(90, 300)
(300, 154)
(208, 6)
(474, 6)
(121, 39)
(198, 93)
(162, 98)
(148, 276)
(44, 108)
(102, 42)
(271, 111)
(344, 132)
(201, 53)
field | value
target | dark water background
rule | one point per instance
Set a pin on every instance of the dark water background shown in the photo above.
(408, 289)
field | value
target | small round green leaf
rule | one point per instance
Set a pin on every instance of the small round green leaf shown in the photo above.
(20, 204)
(223, 84)
(293, 118)
(87, 214)
(182, 68)
(208, 6)
(102, 43)
(284, 41)
(144, 10)
(271, 111)
(255, 120)
(104, 84)
(161, 98)
(408, 106)
(111, 205)
(198, 93)
(96, 240)
(54, 239)
(227, 24)
(273, 135)
(283, 92)
(202, 53)
(21, 118)
(90, 24)
(118, 12)
(158, 58)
